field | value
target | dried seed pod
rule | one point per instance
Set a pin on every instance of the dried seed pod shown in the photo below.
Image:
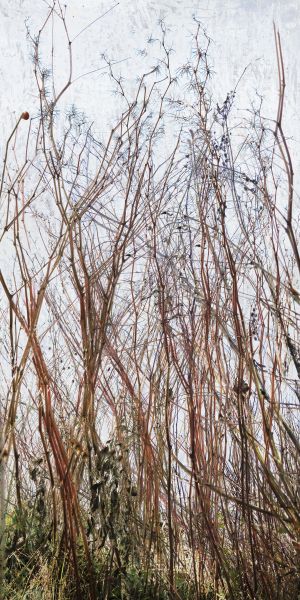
(25, 115)
(241, 387)
(33, 473)
(95, 503)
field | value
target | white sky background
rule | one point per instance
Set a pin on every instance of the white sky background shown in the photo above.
(241, 30)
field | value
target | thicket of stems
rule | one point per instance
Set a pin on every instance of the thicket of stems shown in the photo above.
(150, 341)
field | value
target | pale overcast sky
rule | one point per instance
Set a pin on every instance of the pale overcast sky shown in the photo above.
(241, 30)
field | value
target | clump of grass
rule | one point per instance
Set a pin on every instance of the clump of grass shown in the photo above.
(33, 570)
